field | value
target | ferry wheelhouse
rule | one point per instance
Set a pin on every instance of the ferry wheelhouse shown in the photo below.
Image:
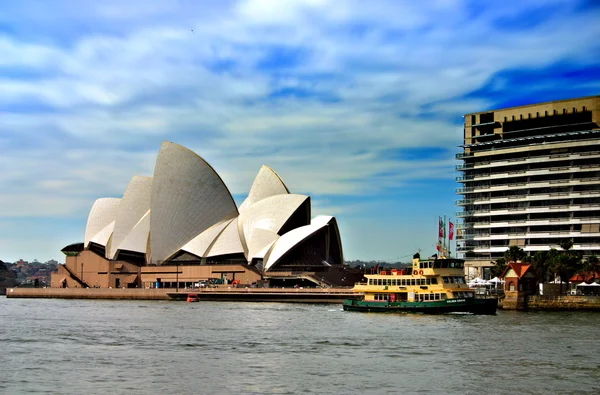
(434, 285)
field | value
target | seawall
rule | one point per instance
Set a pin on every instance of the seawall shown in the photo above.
(307, 295)
(519, 301)
(587, 303)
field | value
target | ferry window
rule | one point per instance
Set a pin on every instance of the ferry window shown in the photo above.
(389, 281)
(445, 280)
(437, 296)
(370, 281)
(422, 265)
(444, 264)
(427, 281)
(422, 281)
(379, 282)
(461, 280)
(426, 296)
(443, 296)
(434, 281)
(412, 281)
(394, 282)
(430, 264)
(451, 265)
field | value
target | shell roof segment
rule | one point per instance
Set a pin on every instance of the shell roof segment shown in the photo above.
(228, 242)
(188, 197)
(266, 183)
(134, 205)
(200, 244)
(137, 239)
(291, 239)
(269, 214)
(103, 212)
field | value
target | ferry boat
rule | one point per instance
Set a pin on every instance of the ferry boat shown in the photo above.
(435, 286)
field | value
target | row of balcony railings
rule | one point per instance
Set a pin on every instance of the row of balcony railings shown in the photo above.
(532, 196)
(558, 196)
(491, 146)
(532, 247)
(529, 222)
(530, 140)
(537, 166)
(574, 157)
(530, 184)
(521, 210)
(535, 172)
(529, 234)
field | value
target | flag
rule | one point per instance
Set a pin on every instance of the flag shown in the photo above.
(440, 227)
(450, 230)
(439, 246)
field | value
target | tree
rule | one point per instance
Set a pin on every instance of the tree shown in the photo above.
(540, 263)
(514, 254)
(566, 262)
(498, 267)
(592, 265)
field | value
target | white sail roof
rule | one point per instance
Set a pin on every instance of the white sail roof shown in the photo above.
(269, 214)
(188, 197)
(262, 253)
(267, 183)
(103, 212)
(134, 205)
(137, 239)
(289, 241)
(200, 244)
(103, 236)
(228, 242)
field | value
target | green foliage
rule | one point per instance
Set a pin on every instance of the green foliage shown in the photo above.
(498, 267)
(514, 254)
(592, 264)
(565, 263)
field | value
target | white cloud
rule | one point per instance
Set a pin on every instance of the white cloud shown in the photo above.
(208, 77)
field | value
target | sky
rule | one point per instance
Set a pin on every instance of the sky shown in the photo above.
(358, 104)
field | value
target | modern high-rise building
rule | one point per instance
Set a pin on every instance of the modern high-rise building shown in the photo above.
(530, 178)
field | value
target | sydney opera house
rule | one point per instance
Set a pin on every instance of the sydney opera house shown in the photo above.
(181, 228)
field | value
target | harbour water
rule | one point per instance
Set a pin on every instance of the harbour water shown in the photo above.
(52, 346)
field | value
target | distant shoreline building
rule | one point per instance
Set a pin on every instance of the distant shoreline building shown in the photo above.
(182, 227)
(530, 178)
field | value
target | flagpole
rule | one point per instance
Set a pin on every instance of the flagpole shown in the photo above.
(445, 250)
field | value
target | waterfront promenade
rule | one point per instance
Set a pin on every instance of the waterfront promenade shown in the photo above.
(306, 295)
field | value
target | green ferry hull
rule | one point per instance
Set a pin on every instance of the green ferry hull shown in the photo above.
(468, 305)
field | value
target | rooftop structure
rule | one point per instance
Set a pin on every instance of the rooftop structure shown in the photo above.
(530, 178)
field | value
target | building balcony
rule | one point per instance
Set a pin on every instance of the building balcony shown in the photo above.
(536, 197)
(463, 202)
(530, 210)
(530, 185)
(464, 178)
(464, 166)
(460, 214)
(535, 248)
(534, 159)
(461, 155)
(544, 222)
(528, 173)
(464, 226)
(464, 189)
(536, 235)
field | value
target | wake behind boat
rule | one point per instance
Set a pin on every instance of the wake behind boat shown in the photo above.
(433, 286)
